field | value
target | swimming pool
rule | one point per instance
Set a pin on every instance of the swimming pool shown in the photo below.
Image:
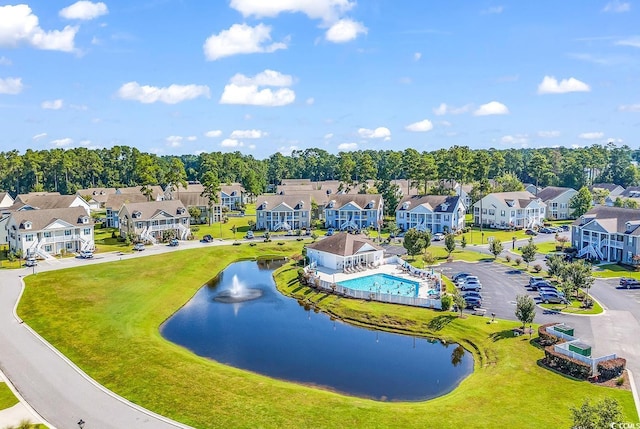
(383, 283)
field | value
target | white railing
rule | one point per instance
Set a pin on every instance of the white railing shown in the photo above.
(59, 238)
(184, 231)
(552, 331)
(163, 227)
(563, 348)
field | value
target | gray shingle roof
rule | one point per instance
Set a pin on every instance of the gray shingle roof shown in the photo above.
(552, 192)
(116, 201)
(433, 202)
(41, 218)
(362, 200)
(292, 201)
(613, 219)
(342, 244)
(150, 208)
(52, 201)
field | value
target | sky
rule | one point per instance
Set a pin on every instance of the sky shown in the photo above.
(176, 77)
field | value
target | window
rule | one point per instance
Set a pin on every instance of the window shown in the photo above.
(446, 218)
(67, 232)
(139, 225)
(86, 231)
(69, 245)
(492, 212)
(47, 248)
(513, 212)
(28, 237)
(46, 234)
(503, 213)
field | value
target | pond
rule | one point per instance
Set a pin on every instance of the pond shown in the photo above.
(241, 319)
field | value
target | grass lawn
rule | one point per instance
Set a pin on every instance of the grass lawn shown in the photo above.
(575, 307)
(614, 270)
(440, 255)
(105, 243)
(109, 327)
(7, 398)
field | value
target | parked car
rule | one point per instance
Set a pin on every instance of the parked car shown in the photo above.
(460, 276)
(85, 254)
(472, 302)
(207, 239)
(438, 236)
(565, 227)
(471, 285)
(531, 232)
(629, 283)
(554, 299)
(330, 232)
(472, 294)
(533, 280)
(174, 242)
(550, 291)
(538, 285)
(546, 230)
(249, 235)
(466, 278)
(138, 247)
(31, 262)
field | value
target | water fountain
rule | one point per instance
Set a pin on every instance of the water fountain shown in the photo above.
(238, 293)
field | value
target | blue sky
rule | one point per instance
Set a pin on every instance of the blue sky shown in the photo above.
(178, 77)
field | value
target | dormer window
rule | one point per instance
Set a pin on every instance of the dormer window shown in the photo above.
(301, 204)
(444, 207)
(83, 219)
(27, 225)
(136, 214)
(180, 210)
(371, 204)
(406, 205)
(332, 203)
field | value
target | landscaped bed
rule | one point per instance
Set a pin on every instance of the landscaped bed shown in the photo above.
(106, 318)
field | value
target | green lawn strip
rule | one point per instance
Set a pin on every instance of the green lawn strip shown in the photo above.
(7, 398)
(440, 255)
(614, 270)
(105, 318)
(105, 242)
(575, 307)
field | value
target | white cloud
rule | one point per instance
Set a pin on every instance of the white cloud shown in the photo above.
(617, 6)
(287, 150)
(417, 56)
(519, 139)
(11, 85)
(328, 136)
(491, 108)
(240, 39)
(265, 78)
(245, 90)
(548, 134)
(213, 133)
(85, 142)
(631, 41)
(326, 10)
(38, 136)
(493, 10)
(170, 95)
(591, 136)
(378, 133)
(629, 108)
(84, 10)
(347, 146)
(420, 126)
(4, 61)
(345, 30)
(247, 134)
(174, 141)
(18, 25)
(550, 85)
(444, 109)
(52, 105)
(231, 143)
(62, 142)
(310, 101)
(192, 138)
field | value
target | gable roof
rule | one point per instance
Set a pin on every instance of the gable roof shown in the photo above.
(233, 187)
(98, 194)
(157, 190)
(116, 201)
(51, 201)
(192, 199)
(613, 219)
(552, 192)
(149, 209)
(631, 192)
(432, 202)
(343, 244)
(608, 186)
(520, 199)
(268, 202)
(362, 200)
(41, 218)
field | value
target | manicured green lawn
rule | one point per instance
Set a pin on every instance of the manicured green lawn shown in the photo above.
(106, 317)
(575, 307)
(440, 255)
(614, 270)
(106, 243)
(7, 398)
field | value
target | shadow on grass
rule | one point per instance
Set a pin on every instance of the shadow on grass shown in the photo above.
(438, 323)
(513, 272)
(502, 335)
(541, 364)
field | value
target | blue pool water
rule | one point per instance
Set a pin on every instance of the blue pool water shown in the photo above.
(383, 283)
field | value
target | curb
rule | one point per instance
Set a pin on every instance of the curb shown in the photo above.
(634, 391)
(86, 377)
(29, 408)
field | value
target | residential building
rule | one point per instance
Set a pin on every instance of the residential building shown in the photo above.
(530, 187)
(354, 212)
(115, 202)
(605, 193)
(610, 234)
(344, 250)
(49, 201)
(232, 196)
(632, 193)
(510, 210)
(156, 192)
(96, 197)
(283, 212)
(47, 232)
(557, 200)
(434, 213)
(5, 200)
(148, 221)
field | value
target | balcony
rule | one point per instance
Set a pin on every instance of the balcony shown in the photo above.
(60, 239)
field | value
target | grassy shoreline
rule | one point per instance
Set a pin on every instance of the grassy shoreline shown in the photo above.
(106, 319)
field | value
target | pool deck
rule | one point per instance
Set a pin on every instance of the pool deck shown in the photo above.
(335, 276)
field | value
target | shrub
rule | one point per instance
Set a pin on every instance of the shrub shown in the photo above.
(299, 239)
(545, 338)
(195, 228)
(280, 243)
(518, 261)
(446, 302)
(537, 268)
(113, 234)
(620, 381)
(507, 258)
(565, 364)
(611, 368)
(252, 244)
(428, 258)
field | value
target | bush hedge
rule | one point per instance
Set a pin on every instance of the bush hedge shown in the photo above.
(547, 339)
(611, 368)
(565, 364)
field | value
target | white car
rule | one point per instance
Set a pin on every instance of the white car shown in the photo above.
(438, 236)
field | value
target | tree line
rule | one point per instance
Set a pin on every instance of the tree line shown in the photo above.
(66, 171)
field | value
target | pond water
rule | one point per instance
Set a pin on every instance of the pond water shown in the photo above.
(240, 319)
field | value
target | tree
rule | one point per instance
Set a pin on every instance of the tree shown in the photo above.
(211, 191)
(602, 414)
(525, 309)
(555, 266)
(450, 243)
(459, 301)
(195, 213)
(176, 176)
(495, 247)
(393, 229)
(581, 202)
(416, 241)
(575, 276)
(529, 252)
(463, 242)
